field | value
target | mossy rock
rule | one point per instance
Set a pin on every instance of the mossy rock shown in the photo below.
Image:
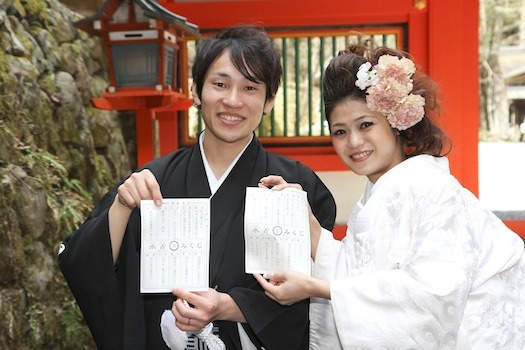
(12, 257)
(77, 165)
(36, 10)
(8, 155)
(99, 124)
(6, 77)
(30, 204)
(47, 83)
(12, 322)
(67, 127)
(51, 172)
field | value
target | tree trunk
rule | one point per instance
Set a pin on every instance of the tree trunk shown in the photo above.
(494, 106)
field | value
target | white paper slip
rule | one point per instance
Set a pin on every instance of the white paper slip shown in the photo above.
(175, 245)
(276, 231)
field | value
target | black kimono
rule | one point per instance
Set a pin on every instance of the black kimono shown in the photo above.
(119, 317)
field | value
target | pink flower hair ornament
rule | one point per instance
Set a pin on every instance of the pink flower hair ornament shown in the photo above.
(389, 87)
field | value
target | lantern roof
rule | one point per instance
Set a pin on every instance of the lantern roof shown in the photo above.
(110, 9)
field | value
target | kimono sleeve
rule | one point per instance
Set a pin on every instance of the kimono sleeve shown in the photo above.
(86, 262)
(277, 326)
(418, 303)
(320, 198)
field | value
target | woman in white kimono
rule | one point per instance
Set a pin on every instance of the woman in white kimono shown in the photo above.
(423, 265)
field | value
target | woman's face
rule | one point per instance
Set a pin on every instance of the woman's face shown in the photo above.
(364, 140)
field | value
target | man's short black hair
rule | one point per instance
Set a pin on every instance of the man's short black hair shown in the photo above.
(252, 51)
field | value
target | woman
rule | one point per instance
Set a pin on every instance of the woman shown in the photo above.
(423, 265)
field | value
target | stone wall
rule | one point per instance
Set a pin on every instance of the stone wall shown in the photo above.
(58, 155)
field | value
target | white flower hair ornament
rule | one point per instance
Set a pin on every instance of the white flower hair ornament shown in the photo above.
(389, 87)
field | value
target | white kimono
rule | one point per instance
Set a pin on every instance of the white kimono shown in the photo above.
(423, 266)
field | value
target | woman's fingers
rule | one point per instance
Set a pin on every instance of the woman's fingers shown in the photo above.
(276, 182)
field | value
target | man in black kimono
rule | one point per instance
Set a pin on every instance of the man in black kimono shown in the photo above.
(236, 75)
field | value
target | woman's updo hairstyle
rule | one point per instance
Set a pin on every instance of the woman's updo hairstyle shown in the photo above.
(339, 80)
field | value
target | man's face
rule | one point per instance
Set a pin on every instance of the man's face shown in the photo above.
(231, 105)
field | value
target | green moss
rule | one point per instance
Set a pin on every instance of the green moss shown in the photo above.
(50, 138)
(12, 325)
(27, 44)
(78, 47)
(47, 84)
(48, 324)
(12, 258)
(103, 173)
(68, 200)
(74, 49)
(59, 164)
(6, 154)
(36, 9)
(43, 325)
(67, 128)
(77, 166)
(5, 75)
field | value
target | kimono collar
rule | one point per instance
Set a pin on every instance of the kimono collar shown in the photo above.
(213, 182)
(409, 170)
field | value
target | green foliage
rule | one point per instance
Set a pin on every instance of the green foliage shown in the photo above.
(68, 200)
(36, 318)
(46, 322)
(71, 320)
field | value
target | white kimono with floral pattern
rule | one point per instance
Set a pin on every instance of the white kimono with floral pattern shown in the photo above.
(423, 266)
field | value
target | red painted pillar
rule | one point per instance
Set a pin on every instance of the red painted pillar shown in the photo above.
(453, 52)
(145, 136)
(168, 131)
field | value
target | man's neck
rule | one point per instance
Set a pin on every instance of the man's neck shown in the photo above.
(221, 154)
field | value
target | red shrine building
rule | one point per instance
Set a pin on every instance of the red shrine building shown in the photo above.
(442, 36)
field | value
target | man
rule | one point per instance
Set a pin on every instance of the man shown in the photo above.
(236, 76)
